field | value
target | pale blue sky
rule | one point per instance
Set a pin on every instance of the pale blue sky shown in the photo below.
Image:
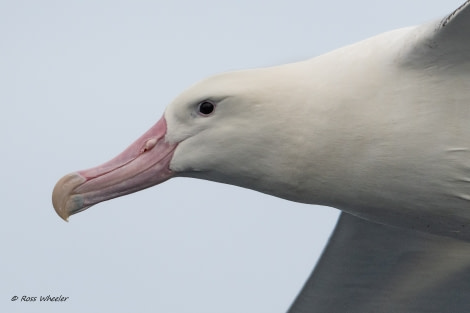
(80, 80)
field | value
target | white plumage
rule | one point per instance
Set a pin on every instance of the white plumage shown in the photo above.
(379, 129)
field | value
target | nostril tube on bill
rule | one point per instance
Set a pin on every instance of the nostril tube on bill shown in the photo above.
(149, 144)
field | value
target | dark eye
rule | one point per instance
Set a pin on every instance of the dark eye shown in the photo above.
(206, 107)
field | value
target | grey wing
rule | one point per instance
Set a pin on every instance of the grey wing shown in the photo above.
(457, 19)
(368, 267)
(443, 42)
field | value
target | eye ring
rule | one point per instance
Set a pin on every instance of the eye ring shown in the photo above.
(206, 108)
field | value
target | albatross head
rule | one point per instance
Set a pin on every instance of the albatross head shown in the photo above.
(226, 128)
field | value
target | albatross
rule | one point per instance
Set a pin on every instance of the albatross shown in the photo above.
(379, 130)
